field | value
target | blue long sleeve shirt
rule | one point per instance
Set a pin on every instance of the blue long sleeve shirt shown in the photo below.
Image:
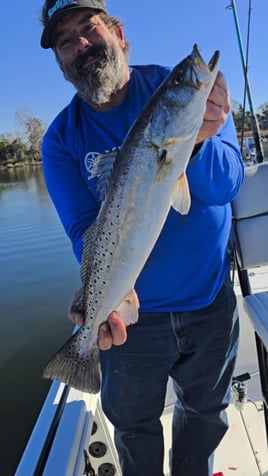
(189, 262)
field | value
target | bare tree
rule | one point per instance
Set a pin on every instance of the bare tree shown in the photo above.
(33, 130)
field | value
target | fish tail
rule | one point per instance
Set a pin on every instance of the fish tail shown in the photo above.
(80, 370)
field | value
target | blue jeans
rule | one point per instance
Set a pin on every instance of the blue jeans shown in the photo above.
(198, 350)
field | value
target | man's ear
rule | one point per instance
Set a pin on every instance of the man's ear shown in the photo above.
(120, 34)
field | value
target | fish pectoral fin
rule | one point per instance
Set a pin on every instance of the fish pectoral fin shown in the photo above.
(181, 198)
(129, 308)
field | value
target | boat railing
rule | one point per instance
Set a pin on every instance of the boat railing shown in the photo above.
(71, 437)
(63, 425)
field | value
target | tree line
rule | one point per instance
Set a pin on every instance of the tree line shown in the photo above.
(24, 147)
(242, 121)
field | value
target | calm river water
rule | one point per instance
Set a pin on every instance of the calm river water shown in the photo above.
(38, 276)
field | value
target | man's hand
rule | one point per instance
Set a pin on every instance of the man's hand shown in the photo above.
(218, 106)
(111, 332)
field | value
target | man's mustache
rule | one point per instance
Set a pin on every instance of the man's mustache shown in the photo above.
(93, 51)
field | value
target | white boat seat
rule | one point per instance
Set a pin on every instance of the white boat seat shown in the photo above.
(250, 213)
(250, 232)
(256, 307)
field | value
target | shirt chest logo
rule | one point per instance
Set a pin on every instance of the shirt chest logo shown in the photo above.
(90, 159)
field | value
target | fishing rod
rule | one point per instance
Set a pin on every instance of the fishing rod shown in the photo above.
(253, 118)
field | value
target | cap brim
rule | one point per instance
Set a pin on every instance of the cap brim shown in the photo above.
(46, 38)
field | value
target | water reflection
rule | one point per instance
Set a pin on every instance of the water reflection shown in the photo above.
(38, 275)
(22, 176)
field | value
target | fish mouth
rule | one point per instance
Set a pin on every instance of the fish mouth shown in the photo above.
(214, 61)
(201, 63)
(200, 70)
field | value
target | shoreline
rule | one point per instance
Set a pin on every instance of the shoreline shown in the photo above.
(20, 165)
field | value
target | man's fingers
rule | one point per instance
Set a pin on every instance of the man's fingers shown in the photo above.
(217, 108)
(75, 312)
(118, 328)
(105, 337)
(112, 332)
(76, 318)
(213, 111)
(219, 98)
(220, 81)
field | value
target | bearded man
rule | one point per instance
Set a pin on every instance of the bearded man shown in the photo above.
(188, 322)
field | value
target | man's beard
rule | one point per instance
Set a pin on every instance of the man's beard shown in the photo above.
(99, 81)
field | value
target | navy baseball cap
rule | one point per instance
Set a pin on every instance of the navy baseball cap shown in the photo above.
(55, 9)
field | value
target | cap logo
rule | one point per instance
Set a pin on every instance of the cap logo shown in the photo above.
(59, 5)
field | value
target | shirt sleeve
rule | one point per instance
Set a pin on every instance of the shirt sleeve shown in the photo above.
(73, 200)
(216, 172)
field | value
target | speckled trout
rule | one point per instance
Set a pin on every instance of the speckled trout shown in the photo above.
(138, 185)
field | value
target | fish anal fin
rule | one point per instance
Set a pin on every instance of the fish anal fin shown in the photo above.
(129, 308)
(181, 198)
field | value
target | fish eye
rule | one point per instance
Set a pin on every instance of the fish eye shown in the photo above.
(178, 80)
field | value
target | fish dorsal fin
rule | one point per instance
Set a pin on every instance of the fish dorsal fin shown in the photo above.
(129, 308)
(101, 169)
(181, 198)
(88, 238)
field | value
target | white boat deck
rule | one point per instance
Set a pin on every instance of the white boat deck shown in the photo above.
(243, 451)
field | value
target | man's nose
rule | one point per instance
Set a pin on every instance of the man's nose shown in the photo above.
(82, 44)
